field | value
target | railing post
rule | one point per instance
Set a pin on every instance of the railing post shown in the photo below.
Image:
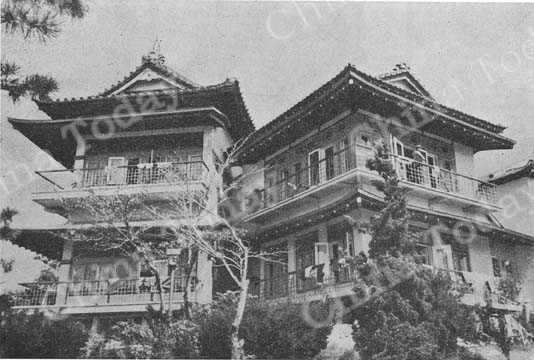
(108, 297)
(67, 289)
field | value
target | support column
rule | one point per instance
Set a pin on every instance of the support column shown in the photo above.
(79, 158)
(291, 255)
(64, 272)
(322, 237)
(262, 278)
(292, 266)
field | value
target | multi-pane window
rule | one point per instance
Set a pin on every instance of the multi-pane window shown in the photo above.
(329, 162)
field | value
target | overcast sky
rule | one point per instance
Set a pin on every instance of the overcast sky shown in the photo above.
(478, 58)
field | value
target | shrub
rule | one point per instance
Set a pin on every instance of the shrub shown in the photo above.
(268, 331)
(36, 336)
(157, 337)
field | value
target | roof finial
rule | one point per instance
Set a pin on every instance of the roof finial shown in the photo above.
(155, 56)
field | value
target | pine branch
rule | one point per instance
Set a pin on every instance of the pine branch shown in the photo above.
(39, 18)
(36, 86)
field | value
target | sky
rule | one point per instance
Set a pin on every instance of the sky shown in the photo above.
(478, 58)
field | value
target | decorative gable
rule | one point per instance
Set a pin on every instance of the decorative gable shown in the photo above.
(401, 77)
(151, 75)
(148, 80)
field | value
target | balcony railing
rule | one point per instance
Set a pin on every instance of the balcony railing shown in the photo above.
(142, 174)
(336, 164)
(316, 174)
(298, 282)
(434, 177)
(475, 286)
(101, 292)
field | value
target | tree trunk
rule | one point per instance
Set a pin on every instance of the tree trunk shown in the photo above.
(189, 271)
(158, 287)
(237, 343)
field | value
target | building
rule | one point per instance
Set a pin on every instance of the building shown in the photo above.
(126, 140)
(317, 193)
(310, 194)
(515, 193)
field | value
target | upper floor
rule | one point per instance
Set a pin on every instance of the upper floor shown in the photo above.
(154, 132)
(317, 151)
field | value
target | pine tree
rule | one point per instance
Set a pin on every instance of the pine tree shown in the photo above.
(409, 311)
(34, 19)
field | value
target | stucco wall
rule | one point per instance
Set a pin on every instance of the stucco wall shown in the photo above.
(517, 201)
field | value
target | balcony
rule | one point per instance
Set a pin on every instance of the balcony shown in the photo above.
(296, 286)
(339, 281)
(436, 179)
(150, 177)
(99, 296)
(333, 173)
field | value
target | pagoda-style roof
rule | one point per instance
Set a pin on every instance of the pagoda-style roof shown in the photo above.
(225, 97)
(50, 135)
(153, 93)
(352, 89)
(525, 169)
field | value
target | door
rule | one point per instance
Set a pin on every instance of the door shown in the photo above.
(402, 166)
(433, 171)
(442, 257)
(322, 257)
(314, 167)
(116, 172)
(329, 162)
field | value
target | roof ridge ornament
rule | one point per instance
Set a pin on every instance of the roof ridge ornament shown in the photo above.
(154, 56)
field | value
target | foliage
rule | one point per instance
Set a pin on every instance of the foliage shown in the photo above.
(407, 311)
(510, 285)
(7, 214)
(36, 336)
(157, 337)
(418, 318)
(40, 18)
(389, 227)
(269, 331)
(36, 86)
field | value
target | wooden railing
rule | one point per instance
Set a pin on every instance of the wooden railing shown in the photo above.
(297, 282)
(410, 171)
(436, 178)
(142, 174)
(478, 288)
(101, 292)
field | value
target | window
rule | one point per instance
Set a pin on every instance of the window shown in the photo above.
(496, 267)
(276, 275)
(501, 267)
(341, 235)
(329, 162)
(283, 189)
(460, 253)
(314, 167)
(344, 155)
(298, 177)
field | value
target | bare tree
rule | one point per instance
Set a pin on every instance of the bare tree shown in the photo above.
(198, 220)
(116, 226)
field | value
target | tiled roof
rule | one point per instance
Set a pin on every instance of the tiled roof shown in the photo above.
(157, 67)
(401, 70)
(351, 73)
(513, 173)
